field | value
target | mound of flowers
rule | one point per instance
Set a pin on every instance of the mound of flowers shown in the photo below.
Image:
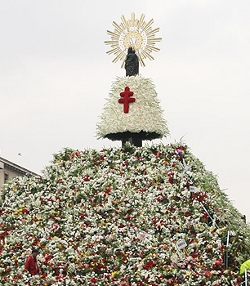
(122, 216)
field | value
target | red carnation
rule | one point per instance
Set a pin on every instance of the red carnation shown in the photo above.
(149, 264)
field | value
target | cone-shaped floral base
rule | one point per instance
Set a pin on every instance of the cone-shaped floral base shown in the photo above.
(122, 216)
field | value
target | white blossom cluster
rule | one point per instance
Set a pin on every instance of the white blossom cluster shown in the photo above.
(144, 114)
(119, 217)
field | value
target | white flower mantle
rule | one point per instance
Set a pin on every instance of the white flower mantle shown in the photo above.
(144, 114)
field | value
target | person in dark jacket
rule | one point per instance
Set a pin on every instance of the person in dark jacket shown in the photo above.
(31, 263)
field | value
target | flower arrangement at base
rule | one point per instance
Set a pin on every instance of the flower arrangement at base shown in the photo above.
(122, 216)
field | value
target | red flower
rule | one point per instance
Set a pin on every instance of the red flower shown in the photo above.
(205, 215)
(75, 153)
(44, 275)
(86, 178)
(108, 190)
(218, 264)
(159, 198)
(194, 255)
(149, 264)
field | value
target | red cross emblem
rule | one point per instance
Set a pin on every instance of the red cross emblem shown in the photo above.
(126, 98)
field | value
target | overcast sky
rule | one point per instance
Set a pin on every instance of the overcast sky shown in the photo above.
(55, 77)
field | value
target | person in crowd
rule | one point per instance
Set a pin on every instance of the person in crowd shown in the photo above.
(31, 263)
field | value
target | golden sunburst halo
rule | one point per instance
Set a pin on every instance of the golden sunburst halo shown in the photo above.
(135, 33)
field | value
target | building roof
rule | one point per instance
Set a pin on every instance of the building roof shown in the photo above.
(15, 167)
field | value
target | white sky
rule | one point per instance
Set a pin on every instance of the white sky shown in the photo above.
(55, 76)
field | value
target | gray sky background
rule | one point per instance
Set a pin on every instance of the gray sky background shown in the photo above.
(55, 77)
